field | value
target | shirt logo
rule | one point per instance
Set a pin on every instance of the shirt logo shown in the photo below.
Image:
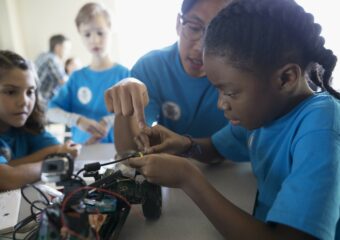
(250, 140)
(84, 95)
(171, 111)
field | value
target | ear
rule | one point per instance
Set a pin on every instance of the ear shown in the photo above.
(178, 24)
(288, 76)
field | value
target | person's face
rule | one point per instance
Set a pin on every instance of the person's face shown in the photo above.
(96, 35)
(17, 98)
(194, 22)
(245, 99)
(63, 49)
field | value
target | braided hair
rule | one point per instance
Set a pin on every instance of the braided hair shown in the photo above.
(10, 61)
(262, 35)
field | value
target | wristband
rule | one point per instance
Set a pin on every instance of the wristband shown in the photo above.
(193, 149)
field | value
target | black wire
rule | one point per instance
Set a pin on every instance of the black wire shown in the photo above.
(39, 209)
(108, 163)
(37, 189)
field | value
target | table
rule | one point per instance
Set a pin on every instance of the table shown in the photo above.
(181, 218)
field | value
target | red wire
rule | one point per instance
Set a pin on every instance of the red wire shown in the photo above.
(67, 198)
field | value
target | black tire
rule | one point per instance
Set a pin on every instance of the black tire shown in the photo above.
(152, 203)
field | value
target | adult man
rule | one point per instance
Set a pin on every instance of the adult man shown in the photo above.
(50, 66)
(173, 78)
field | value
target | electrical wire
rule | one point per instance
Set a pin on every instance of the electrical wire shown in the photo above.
(69, 196)
(136, 154)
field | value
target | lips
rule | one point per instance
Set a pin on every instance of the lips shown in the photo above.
(232, 120)
(196, 64)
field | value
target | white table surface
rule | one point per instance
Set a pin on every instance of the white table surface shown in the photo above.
(181, 218)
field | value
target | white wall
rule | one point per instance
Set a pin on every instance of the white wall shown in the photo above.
(141, 25)
(41, 19)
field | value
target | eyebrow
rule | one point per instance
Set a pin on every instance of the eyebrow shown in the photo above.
(17, 87)
(195, 18)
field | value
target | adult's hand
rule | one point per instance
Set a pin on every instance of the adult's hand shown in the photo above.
(128, 97)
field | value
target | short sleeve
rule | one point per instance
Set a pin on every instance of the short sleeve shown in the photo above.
(231, 143)
(40, 141)
(314, 181)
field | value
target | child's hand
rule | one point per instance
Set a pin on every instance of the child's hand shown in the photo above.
(91, 126)
(160, 139)
(95, 139)
(164, 169)
(128, 97)
(71, 148)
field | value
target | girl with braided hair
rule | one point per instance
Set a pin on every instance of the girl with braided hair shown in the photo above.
(24, 143)
(260, 55)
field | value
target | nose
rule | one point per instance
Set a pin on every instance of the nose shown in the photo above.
(22, 100)
(198, 45)
(94, 38)
(222, 103)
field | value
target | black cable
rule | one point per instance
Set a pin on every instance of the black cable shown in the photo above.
(99, 165)
(39, 209)
(37, 189)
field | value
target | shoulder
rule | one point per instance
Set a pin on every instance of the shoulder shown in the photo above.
(322, 111)
(120, 69)
(158, 56)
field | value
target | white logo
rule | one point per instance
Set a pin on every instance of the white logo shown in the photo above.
(250, 140)
(84, 95)
(171, 110)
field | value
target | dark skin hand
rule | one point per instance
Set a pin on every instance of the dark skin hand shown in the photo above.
(229, 220)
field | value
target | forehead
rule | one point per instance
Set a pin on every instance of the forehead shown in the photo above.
(221, 73)
(97, 22)
(203, 11)
(18, 78)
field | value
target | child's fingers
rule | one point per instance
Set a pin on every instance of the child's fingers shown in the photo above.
(137, 162)
(142, 142)
(156, 149)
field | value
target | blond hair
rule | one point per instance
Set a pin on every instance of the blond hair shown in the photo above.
(91, 10)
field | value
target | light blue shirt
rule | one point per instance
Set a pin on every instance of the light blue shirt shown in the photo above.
(184, 104)
(296, 160)
(17, 143)
(84, 94)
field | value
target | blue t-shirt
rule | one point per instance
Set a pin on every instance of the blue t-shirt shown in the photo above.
(16, 143)
(84, 94)
(182, 103)
(296, 160)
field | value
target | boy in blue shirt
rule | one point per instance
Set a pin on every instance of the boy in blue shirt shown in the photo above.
(80, 102)
(260, 55)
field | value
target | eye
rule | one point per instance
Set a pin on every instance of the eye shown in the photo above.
(31, 92)
(100, 33)
(194, 28)
(87, 35)
(10, 92)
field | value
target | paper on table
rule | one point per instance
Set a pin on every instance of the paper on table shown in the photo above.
(9, 210)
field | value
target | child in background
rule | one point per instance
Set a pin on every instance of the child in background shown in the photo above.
(71, 65)
(23, 141)
(260, 54)
(80, 102)
(50, 67)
